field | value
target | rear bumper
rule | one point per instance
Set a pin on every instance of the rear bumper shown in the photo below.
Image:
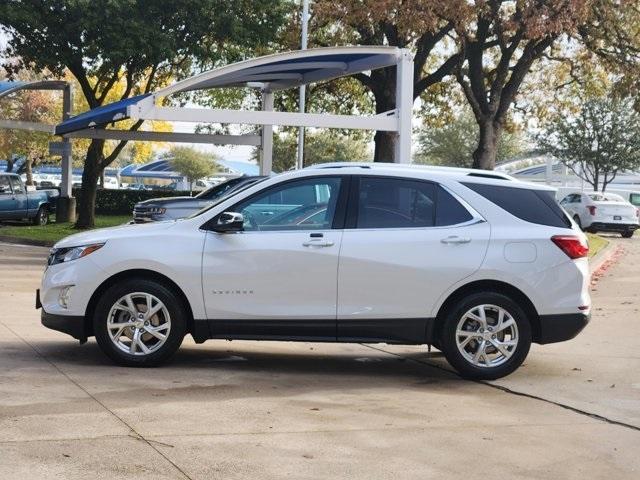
(614, 227)
(558, 328)
(69, 324)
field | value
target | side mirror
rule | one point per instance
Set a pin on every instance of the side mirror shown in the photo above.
(228, 222)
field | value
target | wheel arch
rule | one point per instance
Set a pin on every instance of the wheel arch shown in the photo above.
(137, 273)
(494, 286)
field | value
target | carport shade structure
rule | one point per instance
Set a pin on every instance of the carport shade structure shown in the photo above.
(268, 74)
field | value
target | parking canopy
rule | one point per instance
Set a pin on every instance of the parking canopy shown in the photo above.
(9, 87)
(268, 74)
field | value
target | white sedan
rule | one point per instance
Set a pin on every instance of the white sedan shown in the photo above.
(602, 212)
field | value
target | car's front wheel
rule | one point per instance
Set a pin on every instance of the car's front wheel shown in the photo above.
(139, 323)
(486, 336)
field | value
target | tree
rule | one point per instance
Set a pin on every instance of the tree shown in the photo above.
(415, 24)
(319, 147)
(141, 42)
(602, 140)
(453, 144)
(191, 163)
(498, 50)
(29, 106)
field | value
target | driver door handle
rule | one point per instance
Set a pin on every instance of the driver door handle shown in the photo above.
(318, 242)
(454, 239)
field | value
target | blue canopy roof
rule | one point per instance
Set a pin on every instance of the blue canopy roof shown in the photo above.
(112, 112)
(271, 72)
(8, 87)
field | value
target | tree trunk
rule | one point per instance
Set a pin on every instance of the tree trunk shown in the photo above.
(484, 156)
(28, 170)
(385, 142)
(385, 146)
(90, 175)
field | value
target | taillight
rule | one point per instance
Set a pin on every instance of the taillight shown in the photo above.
(573, 246)
(592, 209)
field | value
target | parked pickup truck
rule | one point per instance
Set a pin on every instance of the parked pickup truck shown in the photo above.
(17, 202)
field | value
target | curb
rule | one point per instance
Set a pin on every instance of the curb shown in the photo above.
(603, 259)
(25, 241)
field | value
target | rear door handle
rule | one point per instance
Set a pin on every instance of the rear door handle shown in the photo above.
(318, 242)
(455, 239)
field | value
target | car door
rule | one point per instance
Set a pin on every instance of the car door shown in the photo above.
(406, 242)
(8, 201)
(278, 278)
(20, 195)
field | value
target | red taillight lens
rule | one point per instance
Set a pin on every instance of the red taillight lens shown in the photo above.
(573, 246)
(592, 209)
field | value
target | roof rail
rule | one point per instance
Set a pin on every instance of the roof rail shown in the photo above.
(472, 172)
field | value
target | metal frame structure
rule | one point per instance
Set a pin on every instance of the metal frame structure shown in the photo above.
(268, 74)
(66, 207)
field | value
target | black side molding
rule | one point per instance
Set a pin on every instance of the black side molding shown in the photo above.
(558, 328)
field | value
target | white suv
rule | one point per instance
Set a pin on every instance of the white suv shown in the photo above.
(476, 263)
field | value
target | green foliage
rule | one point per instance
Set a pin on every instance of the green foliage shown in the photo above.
(319, 147)
(121, 202)
(191, 163)
(144, 43)
(453, 144)
(597, 143)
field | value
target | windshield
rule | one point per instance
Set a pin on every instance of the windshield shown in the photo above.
(226, 194)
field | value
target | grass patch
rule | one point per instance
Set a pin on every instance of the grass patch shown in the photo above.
(53, 232)
(596, 243)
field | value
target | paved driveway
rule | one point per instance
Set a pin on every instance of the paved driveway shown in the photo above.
(278, 410)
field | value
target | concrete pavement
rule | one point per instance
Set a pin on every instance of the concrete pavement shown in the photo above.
(283, 410)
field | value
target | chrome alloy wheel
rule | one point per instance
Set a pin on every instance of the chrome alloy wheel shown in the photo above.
(138, 323)
(487, 336)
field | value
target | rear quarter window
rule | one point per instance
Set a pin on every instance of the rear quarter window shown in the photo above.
(533, 206)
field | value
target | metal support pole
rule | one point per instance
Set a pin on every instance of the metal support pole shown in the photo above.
(303, 88)
(404, 106)
(266, 150)
(66, 204)
(65, 185)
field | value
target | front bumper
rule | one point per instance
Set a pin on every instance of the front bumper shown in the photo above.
(559, 328)
(69, 324)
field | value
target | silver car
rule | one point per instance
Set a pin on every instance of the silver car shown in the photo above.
(171, 208)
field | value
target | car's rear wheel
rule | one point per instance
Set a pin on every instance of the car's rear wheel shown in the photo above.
(627, 234)
(486, 336)
(139, 323)
(42, 216)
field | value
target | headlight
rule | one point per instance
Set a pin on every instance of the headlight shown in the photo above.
(62, 255)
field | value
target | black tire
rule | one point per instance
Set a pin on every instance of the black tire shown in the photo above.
(171, 301)
(448, 336)
(576, 219)
(627, 234)
(42, 217)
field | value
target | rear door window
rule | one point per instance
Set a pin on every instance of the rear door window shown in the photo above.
(395, 203)
(389, 202)
(534, 206)
(634, 198)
